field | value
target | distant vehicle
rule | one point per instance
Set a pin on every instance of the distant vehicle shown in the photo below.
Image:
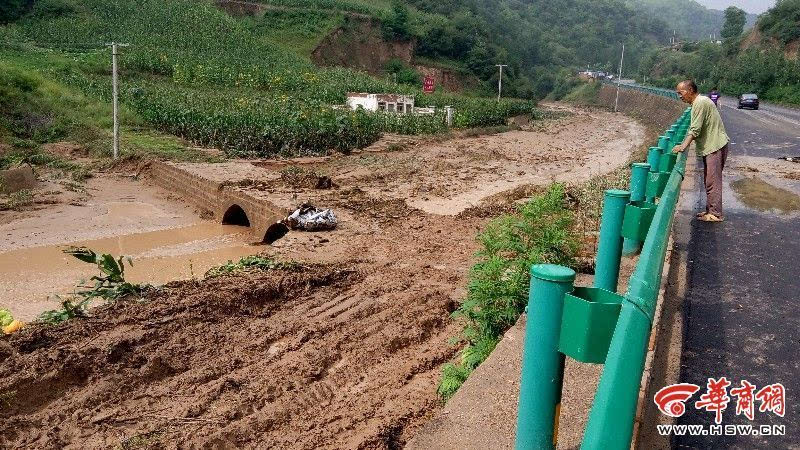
(748, 101)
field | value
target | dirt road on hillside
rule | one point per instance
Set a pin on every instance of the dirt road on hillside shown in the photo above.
(343, 351)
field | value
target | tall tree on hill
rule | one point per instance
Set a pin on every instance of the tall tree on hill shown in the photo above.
(735, 19)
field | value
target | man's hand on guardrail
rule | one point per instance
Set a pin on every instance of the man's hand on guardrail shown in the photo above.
(678, 149)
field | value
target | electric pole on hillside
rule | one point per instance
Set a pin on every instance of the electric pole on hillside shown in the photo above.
(500, 80)
(115, 94)
(619, 78)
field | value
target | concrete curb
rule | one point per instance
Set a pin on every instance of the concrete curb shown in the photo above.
(662, 366)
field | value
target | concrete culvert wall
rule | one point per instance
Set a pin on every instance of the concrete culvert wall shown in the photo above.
(275, 232)
(235, 215)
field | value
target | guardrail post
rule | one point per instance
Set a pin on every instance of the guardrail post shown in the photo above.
(542, 363)
(663, 141)
(611, 427)
(653, 157)
(613, 412)
(670, 140)
(639, 173)
(609, 248)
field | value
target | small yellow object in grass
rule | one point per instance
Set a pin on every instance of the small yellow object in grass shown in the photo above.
(16, 325)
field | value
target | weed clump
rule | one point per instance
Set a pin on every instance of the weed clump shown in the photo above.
(249, 264)
(18, 200)
(541, 231)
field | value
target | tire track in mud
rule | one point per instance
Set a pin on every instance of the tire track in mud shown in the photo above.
(256, 375)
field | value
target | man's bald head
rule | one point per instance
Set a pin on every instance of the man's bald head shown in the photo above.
(689, 85)
(687, 90)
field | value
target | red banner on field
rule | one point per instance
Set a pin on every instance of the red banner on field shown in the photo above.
(428, 85)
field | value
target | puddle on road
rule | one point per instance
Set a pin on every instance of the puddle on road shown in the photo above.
(762, 196)
(29, 276)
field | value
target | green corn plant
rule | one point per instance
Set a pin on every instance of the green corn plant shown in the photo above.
(111, 284)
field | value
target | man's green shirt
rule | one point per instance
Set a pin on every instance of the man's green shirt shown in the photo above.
(707, 127)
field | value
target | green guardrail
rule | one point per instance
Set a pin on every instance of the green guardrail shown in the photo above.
(646, 89)
(596, 324)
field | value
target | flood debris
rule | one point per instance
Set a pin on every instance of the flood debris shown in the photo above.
(310, 218)
(301, 177)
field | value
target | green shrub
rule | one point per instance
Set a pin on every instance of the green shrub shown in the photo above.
(584, 94)
(404, 73)
(497, 292)
(782, 21)
(247, 264)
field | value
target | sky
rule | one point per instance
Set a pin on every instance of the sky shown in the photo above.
(751, 6)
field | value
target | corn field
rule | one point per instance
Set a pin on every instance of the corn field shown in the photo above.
(195, 72)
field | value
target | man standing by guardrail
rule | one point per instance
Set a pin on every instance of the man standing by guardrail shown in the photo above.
(708, 133)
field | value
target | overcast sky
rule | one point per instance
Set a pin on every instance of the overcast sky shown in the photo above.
(751, 6)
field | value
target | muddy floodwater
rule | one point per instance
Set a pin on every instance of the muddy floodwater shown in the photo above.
(161, 233)
(30, 277)
(758, 194)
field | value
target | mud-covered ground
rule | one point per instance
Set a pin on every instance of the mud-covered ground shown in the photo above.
(343, 351)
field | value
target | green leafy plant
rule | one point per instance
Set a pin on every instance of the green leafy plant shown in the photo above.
(5, 317)
(540, 232)
(110, 285)
(70, 309)
(18, 200)
(248, 263)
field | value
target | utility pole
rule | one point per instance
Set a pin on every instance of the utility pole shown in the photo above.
(500, 80)
(619, 78)
(115, 94)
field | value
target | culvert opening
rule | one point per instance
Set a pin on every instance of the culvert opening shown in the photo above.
(235, 215)
(275, 231)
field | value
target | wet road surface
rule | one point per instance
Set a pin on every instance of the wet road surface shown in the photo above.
(741, 309)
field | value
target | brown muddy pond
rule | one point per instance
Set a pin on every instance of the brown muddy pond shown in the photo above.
(30, 277)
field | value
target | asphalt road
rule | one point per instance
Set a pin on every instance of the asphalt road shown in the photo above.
(742, 308)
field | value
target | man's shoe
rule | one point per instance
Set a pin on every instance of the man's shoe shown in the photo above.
(708, 217)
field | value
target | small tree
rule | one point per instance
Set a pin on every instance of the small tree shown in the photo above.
(395, 25)
(735, 19)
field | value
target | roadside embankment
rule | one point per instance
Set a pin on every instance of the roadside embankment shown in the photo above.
(650, 110)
